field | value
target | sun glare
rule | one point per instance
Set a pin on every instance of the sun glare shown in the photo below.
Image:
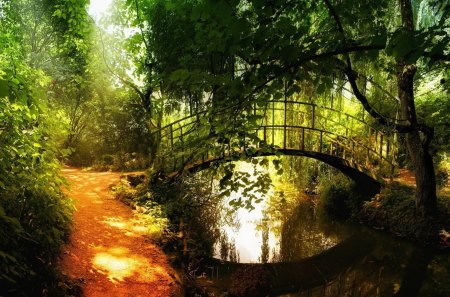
(248, 240)
(117, 264)
(98, 7)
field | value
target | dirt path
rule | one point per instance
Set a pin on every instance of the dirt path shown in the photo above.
(106, 250)
(407, 177)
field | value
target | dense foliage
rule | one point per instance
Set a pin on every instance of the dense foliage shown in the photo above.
(96, 93)
(34, 213)
(225, 56)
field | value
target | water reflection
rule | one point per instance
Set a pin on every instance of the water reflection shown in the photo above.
(302, 234)
(309, 255)
(285, 227)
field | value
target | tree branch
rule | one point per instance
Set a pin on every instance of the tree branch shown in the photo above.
(140, 26)
(382, 120)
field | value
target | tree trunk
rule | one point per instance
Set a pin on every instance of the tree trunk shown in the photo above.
(417, 142)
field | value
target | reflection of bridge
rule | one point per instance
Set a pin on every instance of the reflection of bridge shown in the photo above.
(303, 275)
(345, 141)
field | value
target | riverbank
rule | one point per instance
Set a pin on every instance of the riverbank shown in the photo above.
(393, 211)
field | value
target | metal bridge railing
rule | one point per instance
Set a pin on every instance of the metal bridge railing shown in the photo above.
(287, 125)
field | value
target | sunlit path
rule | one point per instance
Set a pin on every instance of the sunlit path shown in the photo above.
(107, 250)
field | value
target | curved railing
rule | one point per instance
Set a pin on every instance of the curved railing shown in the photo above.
(287, 126)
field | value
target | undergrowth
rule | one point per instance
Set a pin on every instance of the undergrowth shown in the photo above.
(393, 210)
(120, 162)
(34, 213)
(147, 212)
(181, 214)
(340, 197)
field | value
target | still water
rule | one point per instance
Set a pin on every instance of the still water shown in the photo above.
(310, 255)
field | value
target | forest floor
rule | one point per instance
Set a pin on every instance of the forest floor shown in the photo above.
(407, 177)
(108, 252)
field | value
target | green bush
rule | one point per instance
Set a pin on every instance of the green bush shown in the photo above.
(148, 213)
(121, 162)
(394, 210)
(34, 213)
(443, 170)
(339, 197)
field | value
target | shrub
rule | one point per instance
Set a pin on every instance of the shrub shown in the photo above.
(148, 213)
(394, 210)
(121, 162)
(34, 213)
(339, 197)
(443, 170)
(33, 226)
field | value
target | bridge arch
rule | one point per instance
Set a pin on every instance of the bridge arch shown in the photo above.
(344, 141)
(364, 179)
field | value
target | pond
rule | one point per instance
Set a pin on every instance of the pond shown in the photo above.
(307, 254)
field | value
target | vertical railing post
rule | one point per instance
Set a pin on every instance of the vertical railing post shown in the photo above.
(265, 134)
(368, 157)
(353, 151)
(376, 140)
(171, 136)
(313, 116)
(303, 139)
(344, 154)
(346, 128)
(381, 154)
(181, 134)
(321, 140)
(285, 117)
(381, 145)
(388, 143)
(273, 122)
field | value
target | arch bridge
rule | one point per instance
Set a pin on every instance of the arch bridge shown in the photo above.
(348, 142)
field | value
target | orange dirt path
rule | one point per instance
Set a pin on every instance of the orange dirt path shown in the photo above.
(107, 251)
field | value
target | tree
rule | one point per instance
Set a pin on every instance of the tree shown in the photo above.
(34, 214)
(418, 148)
(71, 89)
(271, 44)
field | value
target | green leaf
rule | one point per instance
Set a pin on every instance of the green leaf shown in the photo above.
(4, 88)
(292, 90)
(401, 44)
(15, 81)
